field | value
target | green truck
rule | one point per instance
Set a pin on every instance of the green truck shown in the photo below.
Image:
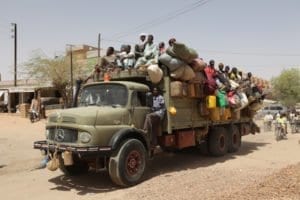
(104, 131)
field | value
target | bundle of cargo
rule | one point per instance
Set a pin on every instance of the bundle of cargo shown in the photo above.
(223, 98)
(177, 59)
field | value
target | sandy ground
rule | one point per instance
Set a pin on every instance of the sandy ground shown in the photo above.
(252, 173)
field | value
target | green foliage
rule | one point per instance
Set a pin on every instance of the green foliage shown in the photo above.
(56, 70)
(286, 87)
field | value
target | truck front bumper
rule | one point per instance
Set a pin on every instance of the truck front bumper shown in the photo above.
(81, 151)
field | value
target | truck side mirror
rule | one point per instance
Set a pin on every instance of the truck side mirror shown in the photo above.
(149, 99)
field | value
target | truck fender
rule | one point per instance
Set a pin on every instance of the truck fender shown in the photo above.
(124, 134)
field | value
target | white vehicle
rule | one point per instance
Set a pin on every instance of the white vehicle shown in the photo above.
(273, 109)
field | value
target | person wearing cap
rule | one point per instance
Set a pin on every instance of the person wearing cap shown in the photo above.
(140, 47)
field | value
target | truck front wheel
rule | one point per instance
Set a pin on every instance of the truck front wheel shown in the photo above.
(127, 166)
(218, 141)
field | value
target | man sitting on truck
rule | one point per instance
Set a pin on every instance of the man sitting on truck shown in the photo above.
(153, 119)
(109, 61)
(150, 55)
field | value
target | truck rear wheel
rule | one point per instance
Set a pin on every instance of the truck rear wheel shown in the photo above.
(127, 166)
(218, 141)
(234, 139)
(79, 167)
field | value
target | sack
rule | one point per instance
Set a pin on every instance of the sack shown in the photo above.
(177, 73)
(170, 62)
(155, 73)
(188, 74)
(182, 52)
(184, 73)
(199, 77)
(53, 164)
(243, 100)
(233, 100)
(170, 52)
(176, 88)
(198, 65)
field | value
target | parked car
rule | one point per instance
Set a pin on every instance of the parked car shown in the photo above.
(273, 109)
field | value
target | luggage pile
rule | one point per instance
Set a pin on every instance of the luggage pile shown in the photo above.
(220, 98)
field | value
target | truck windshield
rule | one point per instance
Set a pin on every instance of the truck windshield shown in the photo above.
(104, 95)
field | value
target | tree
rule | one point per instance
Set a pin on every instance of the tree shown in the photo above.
(286, 87)
(56, 70)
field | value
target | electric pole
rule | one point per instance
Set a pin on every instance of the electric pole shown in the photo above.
(99, 47)
(14, 30)
(71, 70)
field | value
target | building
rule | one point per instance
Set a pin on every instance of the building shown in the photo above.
(12, 96)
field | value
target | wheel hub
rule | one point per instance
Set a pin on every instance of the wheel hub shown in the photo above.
(133, 162)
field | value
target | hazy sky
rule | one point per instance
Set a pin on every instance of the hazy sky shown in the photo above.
(261, 36)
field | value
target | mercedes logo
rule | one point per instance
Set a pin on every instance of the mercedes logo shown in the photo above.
(59, 135)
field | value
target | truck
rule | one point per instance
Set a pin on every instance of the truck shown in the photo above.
(105, 129)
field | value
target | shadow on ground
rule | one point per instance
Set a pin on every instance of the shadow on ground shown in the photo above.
(191, 158)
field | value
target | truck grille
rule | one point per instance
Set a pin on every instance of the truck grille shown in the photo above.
(63, 135)
(64, 119)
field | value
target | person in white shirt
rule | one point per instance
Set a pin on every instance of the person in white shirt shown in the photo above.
(150, 55)
(268, 121)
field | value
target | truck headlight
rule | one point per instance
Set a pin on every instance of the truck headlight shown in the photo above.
(47, 133)
(84, 137)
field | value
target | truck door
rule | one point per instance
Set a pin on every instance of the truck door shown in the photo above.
(138, 108)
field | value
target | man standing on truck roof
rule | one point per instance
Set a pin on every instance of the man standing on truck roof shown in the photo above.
(153, 120)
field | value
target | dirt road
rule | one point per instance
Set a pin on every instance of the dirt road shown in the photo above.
(186, 175)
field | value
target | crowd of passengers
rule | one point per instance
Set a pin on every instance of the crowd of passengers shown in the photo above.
(146, 52)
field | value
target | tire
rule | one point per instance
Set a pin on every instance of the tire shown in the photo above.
(234, 141)
(79, 167)
(127, 166)
(218, 141)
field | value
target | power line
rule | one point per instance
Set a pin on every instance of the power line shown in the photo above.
(249, 53)
(220, 52)
(163, 19)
